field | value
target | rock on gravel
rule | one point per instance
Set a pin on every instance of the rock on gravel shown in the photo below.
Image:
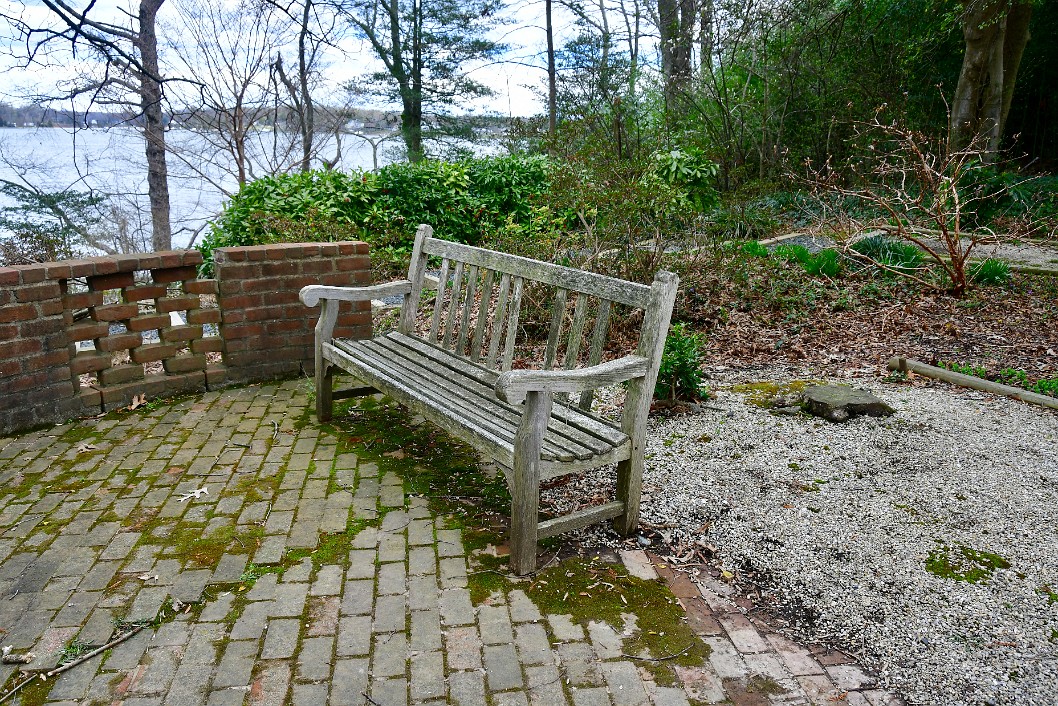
(838, 523)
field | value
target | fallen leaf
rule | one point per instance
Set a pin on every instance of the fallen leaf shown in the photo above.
(398, 454)
(196, 494)
(137, 401)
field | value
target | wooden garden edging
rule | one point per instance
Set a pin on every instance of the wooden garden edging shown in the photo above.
(930, 371)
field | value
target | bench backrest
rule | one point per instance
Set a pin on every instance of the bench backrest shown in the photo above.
(479, 300)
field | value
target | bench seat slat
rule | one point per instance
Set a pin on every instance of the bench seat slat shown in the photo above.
(464, 399)
(413, 397)
(584, 421)
(446, 398)
(465, 402)
(485, 394)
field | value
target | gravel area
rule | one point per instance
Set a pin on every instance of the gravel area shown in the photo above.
(835, 525)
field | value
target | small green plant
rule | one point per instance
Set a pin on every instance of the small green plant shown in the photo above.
(975, 371)
(754, 249)
(680, 375)
(1046, 386)
(1013, 376)
(902, 257)
(825, 262)
(962, 563)
(990, 272)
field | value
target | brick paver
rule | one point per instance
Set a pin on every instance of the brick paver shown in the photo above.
(170, 515)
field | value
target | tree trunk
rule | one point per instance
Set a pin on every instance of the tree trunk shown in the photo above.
(153, 125)
(705, 37)
(1013, 48)
(307, 118)
(552, 75)
(995, 35)
(676, 19)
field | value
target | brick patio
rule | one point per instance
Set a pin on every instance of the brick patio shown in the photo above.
(99, 523)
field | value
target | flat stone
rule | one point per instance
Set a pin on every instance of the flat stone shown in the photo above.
(502, 669)
(838, 403)
(463, 648)
(281, 638)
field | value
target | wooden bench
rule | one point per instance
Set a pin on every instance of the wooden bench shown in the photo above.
(452, 365)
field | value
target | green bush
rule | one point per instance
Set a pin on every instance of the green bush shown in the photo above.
(680, 375)
(1045, 386)
(990, 272)
(903, 257)
(464, 201)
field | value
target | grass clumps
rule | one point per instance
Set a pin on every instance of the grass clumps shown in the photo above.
(963, 563)
(991, 272)
(889, 254)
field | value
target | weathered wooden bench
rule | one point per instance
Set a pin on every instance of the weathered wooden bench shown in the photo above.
(452, 366)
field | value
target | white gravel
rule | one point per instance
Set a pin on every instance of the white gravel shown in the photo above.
(836, 522)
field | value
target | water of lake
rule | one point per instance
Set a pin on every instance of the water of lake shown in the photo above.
(112, 162)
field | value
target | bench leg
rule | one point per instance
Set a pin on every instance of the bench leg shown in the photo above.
(629, 486)
(324, 391)
(525, 490)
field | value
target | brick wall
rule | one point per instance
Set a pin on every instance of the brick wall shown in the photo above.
(267, 330)
(83, 336)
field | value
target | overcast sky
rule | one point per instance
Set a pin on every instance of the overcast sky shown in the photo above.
(512, 79)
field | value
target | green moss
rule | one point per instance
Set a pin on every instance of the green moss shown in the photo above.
(766, 393)
(187, 543)
(80, 432)
(33, 694)
(1051, 594)
(761, 684)
(597, 591)
(488, 576)
(963, 563)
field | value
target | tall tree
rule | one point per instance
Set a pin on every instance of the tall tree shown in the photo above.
(318, 28)
(228, 49)
(995, 33)
(427, 48)
(676, 22)
(130, 75)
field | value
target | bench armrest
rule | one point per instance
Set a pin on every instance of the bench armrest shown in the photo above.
(513, 385)
(312, 294)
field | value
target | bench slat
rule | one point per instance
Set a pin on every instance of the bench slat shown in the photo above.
(468, 305)
(558, 315)
(413, 398)
(598, 340)
(512, 325)
(629, 293)
(576, 333)
(483, 309)
(581, 444)
(581, 421)
(439, 301)
(460, 394)
(580, 518)
(446, 398)
(496, 330)
(453, 305)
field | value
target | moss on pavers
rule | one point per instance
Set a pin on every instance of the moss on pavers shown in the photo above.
(448, 473)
